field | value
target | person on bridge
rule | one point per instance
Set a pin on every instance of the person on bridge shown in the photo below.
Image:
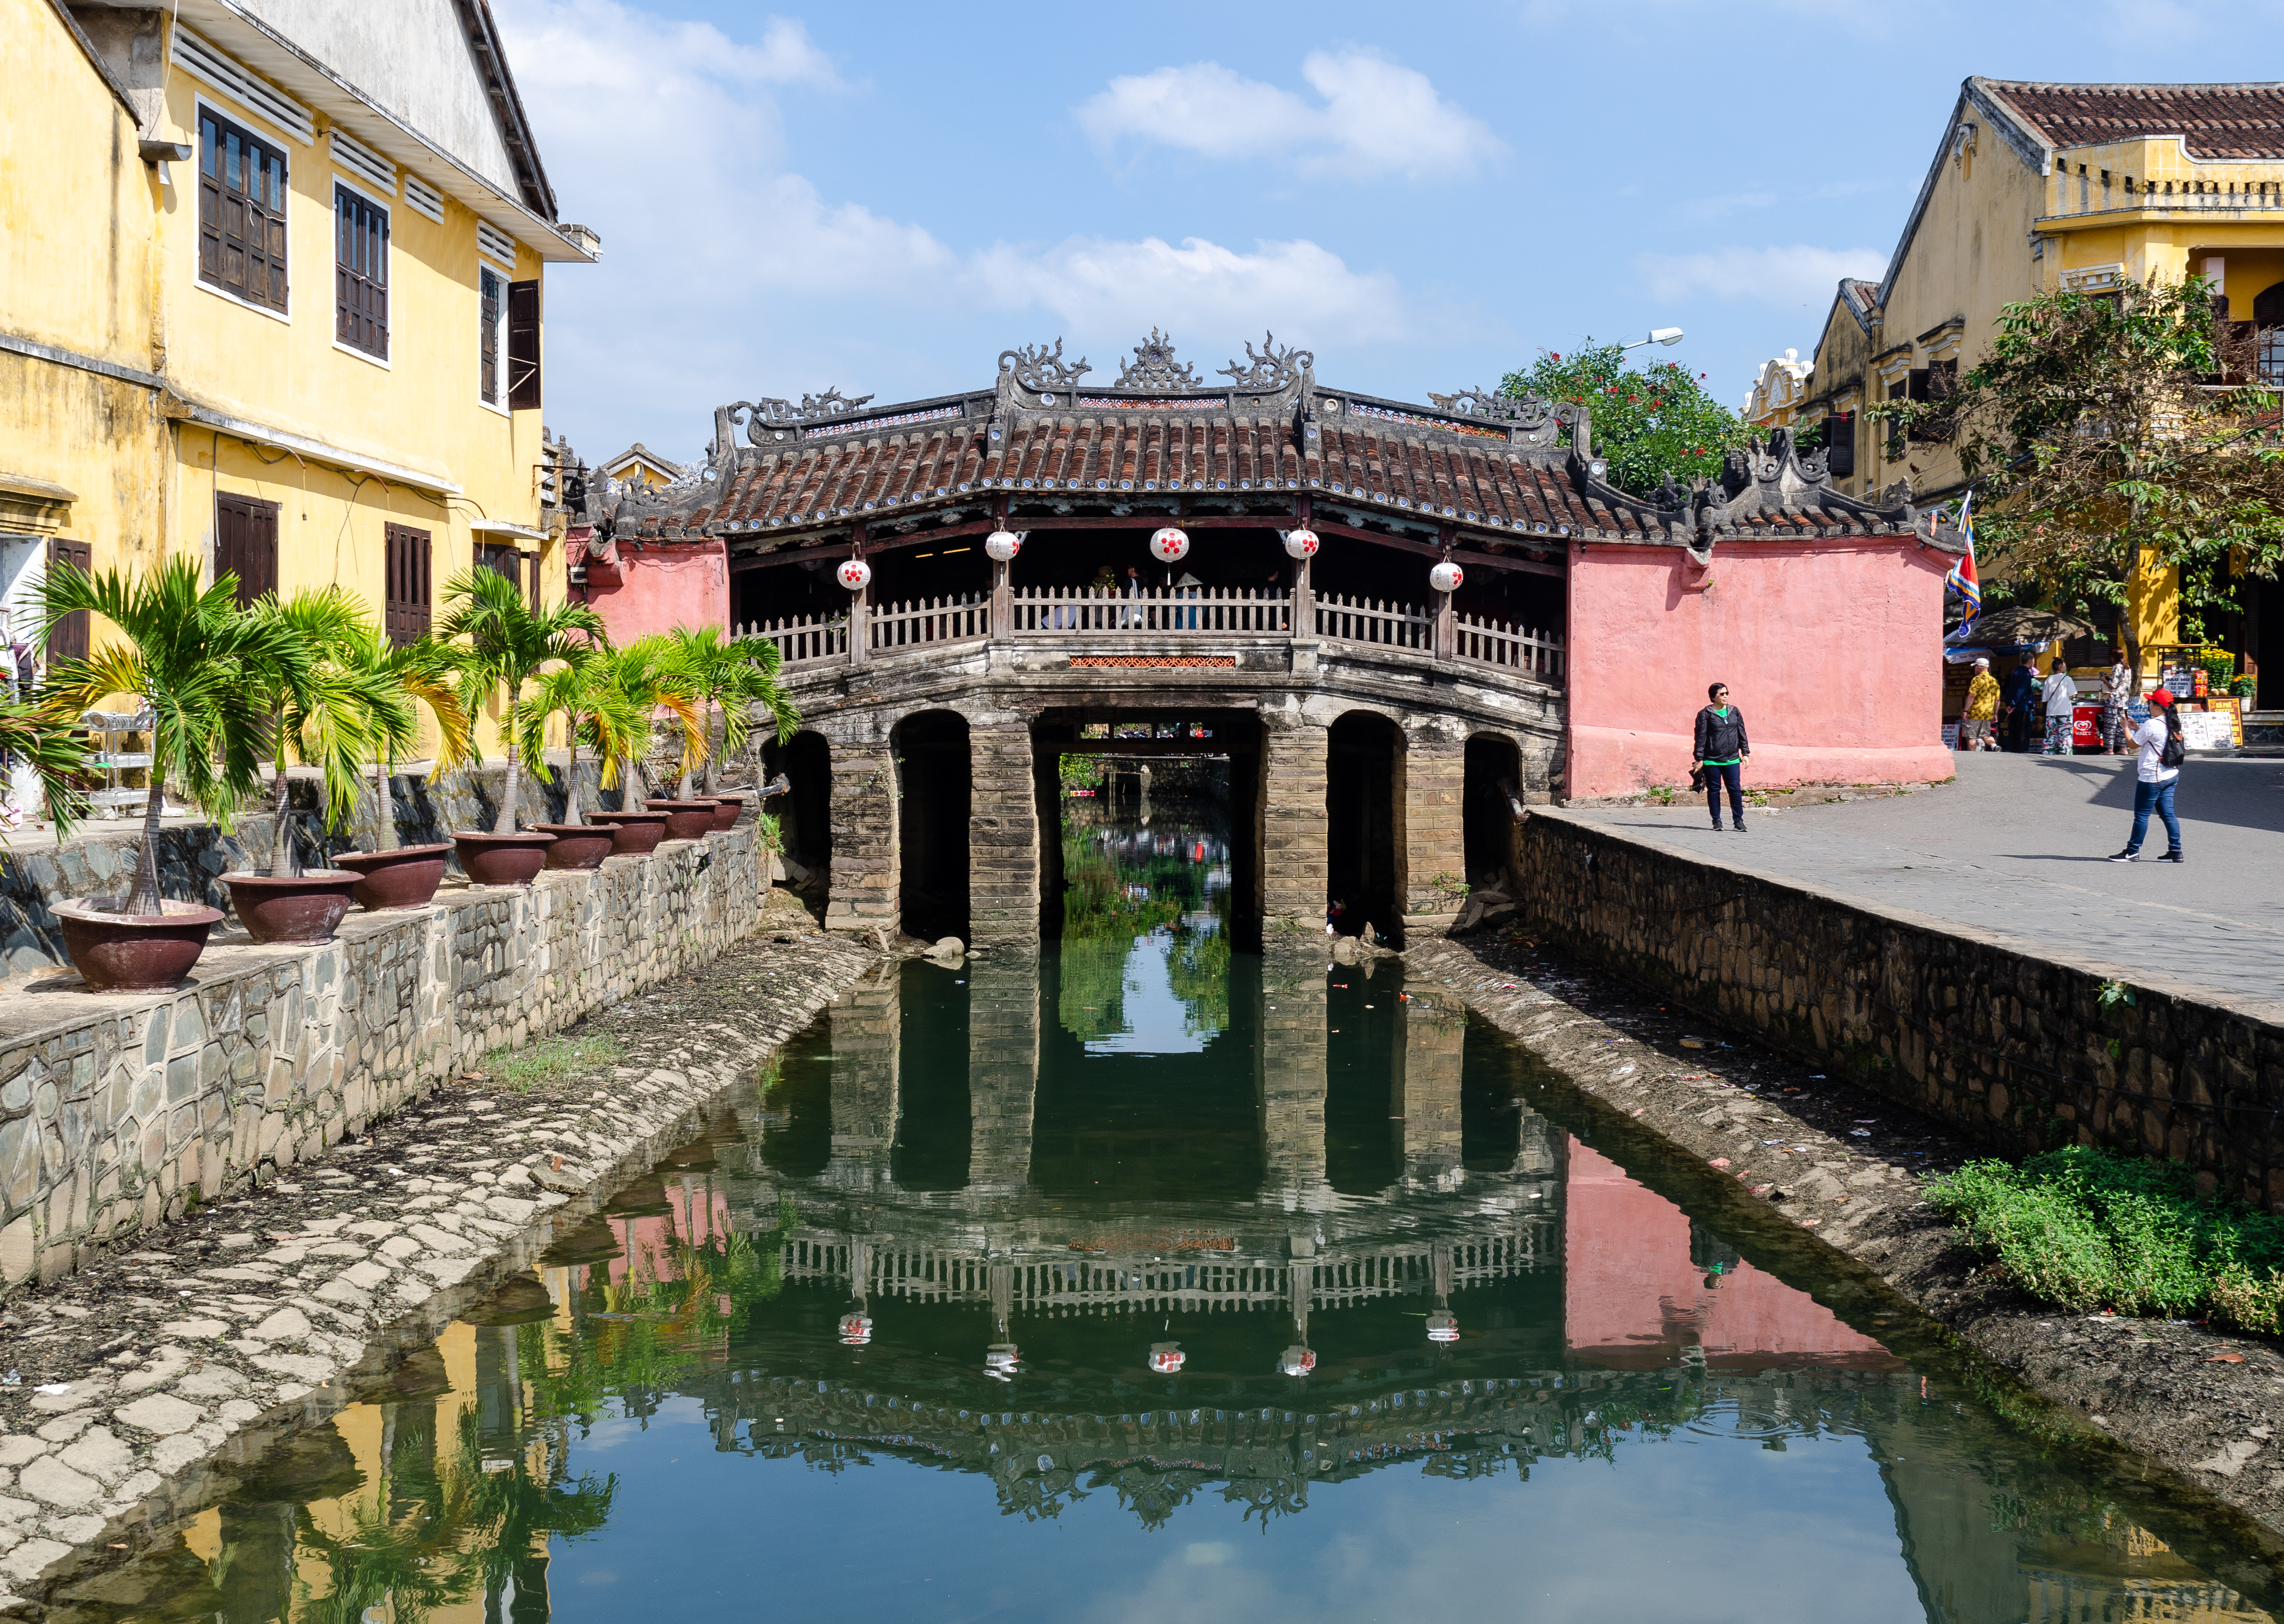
(2162, 751)
(1722, 751)
(2061, 709)
(1982, 708)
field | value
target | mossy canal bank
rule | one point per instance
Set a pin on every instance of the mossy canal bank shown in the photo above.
(1816, 1167)
(139, 1387)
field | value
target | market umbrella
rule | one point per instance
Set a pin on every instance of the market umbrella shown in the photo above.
(2015, 628)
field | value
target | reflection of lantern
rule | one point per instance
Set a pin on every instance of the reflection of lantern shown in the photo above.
(1166, 1358)
(1300, 544)
(1170, 545)
(999, 1360)
(1297, 1360)
(1003, 545)
(856, 1329)
(1442, 1328)
(856, 574)
(1446, 576)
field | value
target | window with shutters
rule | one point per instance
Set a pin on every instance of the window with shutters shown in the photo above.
(523, 346)
(405, 587)
(245, 544)
(241, 214)
(68, 639)
(1935, 383)
(491, 337)
(360, 273)
(1840, 444)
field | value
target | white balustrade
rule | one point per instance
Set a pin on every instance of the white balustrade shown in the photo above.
(1170, 611)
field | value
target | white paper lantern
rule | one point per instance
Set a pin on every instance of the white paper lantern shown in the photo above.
(856, 1329)
(1170, 545)
(1442, 1328)
(1446, 576)
(1297, 1360)
(1003, 545)
(1166, 1358)
(1300, 544)
(856, 574)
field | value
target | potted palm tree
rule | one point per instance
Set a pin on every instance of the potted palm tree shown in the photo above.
(635, 684)
(393, 874)
(45, 735)
(325, 708)
(592, 712)
(192, 659)
(733, 676)
(507, 643)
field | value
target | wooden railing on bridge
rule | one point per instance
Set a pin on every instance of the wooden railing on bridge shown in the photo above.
(1179, 615)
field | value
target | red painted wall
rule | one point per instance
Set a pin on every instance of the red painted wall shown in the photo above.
(1832, 649)
(1633, 1300)
(655, 589)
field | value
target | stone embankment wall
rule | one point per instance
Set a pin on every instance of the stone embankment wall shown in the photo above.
(2018, 1050)
(116, 1110)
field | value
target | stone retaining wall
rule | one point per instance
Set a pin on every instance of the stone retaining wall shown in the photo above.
(1969, 1027)
(117, 1110)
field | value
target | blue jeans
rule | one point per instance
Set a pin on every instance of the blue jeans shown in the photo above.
(1731, 775)
(2157, 797)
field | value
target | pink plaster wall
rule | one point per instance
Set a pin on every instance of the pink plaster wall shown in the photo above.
(1832, 649)
(657, 589)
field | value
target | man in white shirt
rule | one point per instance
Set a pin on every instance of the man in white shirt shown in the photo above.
(2061, 703)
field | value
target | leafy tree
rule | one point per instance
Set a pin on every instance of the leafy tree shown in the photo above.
(1650, 423)
(2107, 430)
(508, 643)
(193, 658)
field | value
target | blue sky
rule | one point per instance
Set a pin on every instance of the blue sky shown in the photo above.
(883, 198)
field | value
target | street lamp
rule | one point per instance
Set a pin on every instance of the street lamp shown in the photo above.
(1657, 335)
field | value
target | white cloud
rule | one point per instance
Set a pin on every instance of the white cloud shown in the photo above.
(724, 272)
(1782, 276)
(1376, 118)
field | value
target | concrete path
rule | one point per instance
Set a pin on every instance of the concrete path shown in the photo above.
(2016, 845)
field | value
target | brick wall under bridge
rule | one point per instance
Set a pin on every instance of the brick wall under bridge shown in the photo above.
(1285, 715)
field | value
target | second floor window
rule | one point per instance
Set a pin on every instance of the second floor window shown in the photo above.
(241, 214)
(491, 305)
(360, 273)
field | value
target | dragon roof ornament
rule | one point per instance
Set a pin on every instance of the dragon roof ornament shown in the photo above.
(1037, 367)
(1154, 367)
(1272, 369)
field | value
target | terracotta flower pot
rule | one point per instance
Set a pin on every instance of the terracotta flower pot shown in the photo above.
(578, 845)
(685, 820)
(501, 859)
(405, 877)
(726, 810)
(118, 952)
(633, 834)
(299, 910)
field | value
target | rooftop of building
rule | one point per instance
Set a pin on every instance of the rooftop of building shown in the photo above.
(2213, 120)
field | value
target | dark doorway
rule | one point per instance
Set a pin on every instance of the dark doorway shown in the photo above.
(1493, 784)
(804, 814)
(1364, 819)
(931, 836)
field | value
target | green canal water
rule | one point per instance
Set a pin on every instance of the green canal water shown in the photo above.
(1145, 1280)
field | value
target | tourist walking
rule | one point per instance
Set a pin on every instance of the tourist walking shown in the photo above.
(1722, 751)
(2018, 696)
(2162, 752)
(2061, 709)
(2117, 688)
(1982, 708)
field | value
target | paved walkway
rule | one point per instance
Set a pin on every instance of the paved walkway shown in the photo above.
(2016, 845)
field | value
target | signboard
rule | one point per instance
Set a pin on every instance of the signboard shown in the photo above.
(2233, 707)
(2204, 730)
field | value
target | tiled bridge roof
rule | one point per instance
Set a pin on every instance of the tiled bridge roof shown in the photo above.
(1469, 468)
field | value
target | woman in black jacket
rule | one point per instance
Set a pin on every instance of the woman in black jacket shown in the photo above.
(1722, 751)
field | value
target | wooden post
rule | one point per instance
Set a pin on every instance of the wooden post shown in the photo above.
(860, 610)
(1445, 637)
(1003, 601)
(1304, 610)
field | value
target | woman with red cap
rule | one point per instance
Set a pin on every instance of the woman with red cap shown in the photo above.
(2162, 751)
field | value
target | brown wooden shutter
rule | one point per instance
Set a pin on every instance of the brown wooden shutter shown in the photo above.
(1840, 444)
(241, 214)
(210, 202)
(360, 273)
(489, 288)
(69, 640)
(406, 589)
(245, 544)
(523, 346)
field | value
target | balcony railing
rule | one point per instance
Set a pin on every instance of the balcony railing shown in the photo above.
(1178, 616)
(2085, 194)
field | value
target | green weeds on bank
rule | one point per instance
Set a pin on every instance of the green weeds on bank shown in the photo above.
(2090, 1229)
(552, 1060)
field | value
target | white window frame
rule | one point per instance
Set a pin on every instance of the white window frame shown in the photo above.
(499, 339)
(387, 206)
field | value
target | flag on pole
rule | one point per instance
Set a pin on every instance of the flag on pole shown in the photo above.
(1962, 579)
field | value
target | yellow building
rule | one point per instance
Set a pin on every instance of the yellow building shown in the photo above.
(273, 296)
(2036, 187)
(638, 465)
(1779, 391)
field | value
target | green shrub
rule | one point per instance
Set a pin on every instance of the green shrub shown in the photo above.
(2090, 1229)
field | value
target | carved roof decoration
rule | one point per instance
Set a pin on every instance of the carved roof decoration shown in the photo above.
(1471, 469)
(1154, 368)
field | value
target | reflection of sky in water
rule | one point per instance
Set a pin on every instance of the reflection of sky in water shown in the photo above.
(1158, 1018)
